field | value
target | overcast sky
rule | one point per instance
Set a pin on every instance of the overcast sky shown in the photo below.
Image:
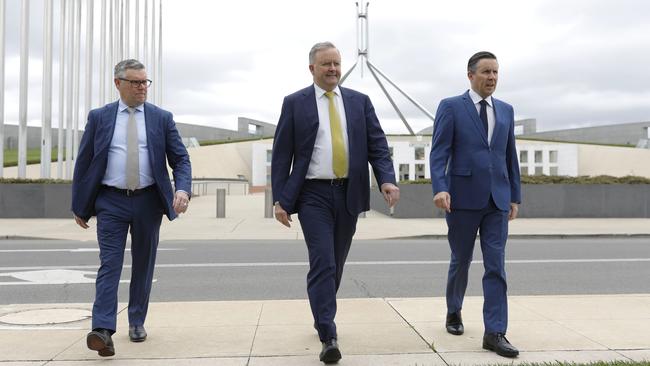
(567, 63)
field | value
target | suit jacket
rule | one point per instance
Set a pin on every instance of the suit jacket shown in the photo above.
(465, 165)
(164, 144)
(294, 143)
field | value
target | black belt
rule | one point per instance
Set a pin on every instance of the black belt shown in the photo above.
(338, 182)
(128, 192)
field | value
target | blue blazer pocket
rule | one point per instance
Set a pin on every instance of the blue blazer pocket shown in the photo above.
(461, 172)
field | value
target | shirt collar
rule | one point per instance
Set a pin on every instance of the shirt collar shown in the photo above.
(477, 98)
(122, 106)
(320, 92)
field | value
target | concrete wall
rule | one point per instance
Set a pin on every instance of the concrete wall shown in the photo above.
(615, 161)
(35, 200)
(539, 200)
(33, 137)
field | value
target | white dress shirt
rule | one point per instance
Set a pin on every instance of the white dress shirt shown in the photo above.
(489, 109)
(115, 175)
(320, 166)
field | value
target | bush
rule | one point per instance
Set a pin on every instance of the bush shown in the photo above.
(556, 179)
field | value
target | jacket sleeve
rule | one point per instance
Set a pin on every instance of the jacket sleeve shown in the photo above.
(378, 151)
(80, 206)
(512, 162)
(177, 156)
(441, 144)
(283, 153)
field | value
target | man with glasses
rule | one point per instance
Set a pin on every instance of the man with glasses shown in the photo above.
(121, 177)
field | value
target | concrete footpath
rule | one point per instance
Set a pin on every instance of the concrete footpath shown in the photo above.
(376, 331)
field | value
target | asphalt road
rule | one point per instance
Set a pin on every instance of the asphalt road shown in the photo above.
(48, 271)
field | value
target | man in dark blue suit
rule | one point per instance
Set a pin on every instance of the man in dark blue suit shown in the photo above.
(121, 177)
(475, 176)
(325, 138)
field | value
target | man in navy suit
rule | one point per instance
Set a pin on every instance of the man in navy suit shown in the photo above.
(325, 138)
(475, 177)
(121, 177)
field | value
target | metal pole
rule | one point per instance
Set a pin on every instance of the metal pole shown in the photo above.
(59, 145)
(137, 30)
(370, 65)
(2, 86)
(22, 102)
(127, 29)
(116, 40)
(145, 43)
(120, 25)
(102, 55)
(89, 60)
(399, 113)
(153, 49)
(69, 94)
(160, 39)
(46, 124)
(77, 81)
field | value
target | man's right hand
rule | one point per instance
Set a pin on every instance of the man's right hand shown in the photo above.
(81, 222)
(443, 200)
(282, 215)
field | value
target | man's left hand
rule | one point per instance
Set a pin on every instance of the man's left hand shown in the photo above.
(391, 193)
(181, 200)
(514, 210)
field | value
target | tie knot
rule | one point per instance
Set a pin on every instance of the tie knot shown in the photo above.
(130, 109)
(329, 94)
(483, 102)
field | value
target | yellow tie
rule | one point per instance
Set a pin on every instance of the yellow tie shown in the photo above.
(339, 158)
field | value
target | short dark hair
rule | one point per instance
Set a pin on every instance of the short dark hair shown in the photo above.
(478, 56)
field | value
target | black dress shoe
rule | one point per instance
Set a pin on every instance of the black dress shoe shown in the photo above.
(498, 343)
(330, 352)
(137, 333)
(100, 340)
(454, 323)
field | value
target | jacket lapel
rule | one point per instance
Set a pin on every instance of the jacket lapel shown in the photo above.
(498, 123)
(471, 110)
(348, 102)
(151, 126)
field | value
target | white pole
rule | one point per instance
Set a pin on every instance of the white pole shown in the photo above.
(145, 42)
(77, 77)
(62, 33)
(22, 102)
(89, 59)
(137, 29)
(2, 86)
(110, 58)
(69, 94)
(127, 29)
(102, 54)
(160, 38)
(46, 124)
(153, 95)
(120, 29)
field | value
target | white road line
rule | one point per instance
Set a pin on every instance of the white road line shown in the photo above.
(75, 250)
(351, 263)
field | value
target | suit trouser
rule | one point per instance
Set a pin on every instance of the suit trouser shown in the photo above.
(492, 224)
(328, 229)
(116, 214)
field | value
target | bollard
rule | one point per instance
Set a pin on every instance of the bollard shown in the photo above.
(268, 203)
(221, 203)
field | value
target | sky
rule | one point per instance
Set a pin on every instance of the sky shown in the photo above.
(566, 63)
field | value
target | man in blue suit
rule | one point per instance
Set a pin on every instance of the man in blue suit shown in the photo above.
(475, 176)
(121, 177)
(325, 138)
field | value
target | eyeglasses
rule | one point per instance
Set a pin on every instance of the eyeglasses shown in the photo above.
(138, 83)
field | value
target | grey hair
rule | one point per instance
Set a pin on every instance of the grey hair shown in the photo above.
(122, 66)
(319, 47)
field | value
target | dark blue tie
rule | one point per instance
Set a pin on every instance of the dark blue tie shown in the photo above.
(483, 115)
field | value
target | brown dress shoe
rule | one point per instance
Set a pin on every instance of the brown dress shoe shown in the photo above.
(100, 340)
